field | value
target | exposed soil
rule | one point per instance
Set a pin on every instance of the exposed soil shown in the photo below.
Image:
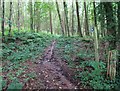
(52, 73)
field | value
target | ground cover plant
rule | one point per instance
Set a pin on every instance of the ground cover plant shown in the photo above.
(59, 45)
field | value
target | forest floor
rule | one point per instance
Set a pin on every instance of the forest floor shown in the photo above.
(33, 61)
(52, 73)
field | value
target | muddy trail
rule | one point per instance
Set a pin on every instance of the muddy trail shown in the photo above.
(52, 72)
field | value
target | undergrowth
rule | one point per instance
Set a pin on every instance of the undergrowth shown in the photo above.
(16, 50)
(79, 54)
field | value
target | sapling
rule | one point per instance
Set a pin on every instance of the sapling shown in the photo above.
(94, 30)
(96, 45)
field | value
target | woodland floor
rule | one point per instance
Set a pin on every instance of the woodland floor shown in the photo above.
(52, 73)
(52, 69)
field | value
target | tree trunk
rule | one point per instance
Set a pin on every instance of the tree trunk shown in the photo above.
(3, 13)
(66, 17)
(51, 30)
(31, 16)
(10, 22)
(95, 19)
(34, 17)
(102, 20)
(62, 29)
(118, 37)
(78, 19)
(111, 33)
(72, 29)
(18, 16)
(118, 20)
(86, 20)
(110, 25)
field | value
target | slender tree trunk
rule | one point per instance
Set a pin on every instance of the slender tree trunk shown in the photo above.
(18, 16)
(31, 16)
(24, 17)
(37, 20)
(62, 29)
(3, 13)
(78, 19)
(64, 23)
(72, 29)
(102, 19)
(86, 20)
(66, 17)
(34, 17)
(118, 11)
(51, 30)
(10, 16)
(13, 15)
(95, 18)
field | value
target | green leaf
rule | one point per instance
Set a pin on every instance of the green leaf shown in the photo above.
(15, 86)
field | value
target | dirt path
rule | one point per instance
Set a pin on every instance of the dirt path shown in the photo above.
(52, 73)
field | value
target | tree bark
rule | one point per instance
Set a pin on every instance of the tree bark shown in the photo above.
(31, 16)
(86, 20)
(66, 17)
(95, 19)
(10, 16)
(57, 6)
(34, 17)
(18, 16)
(102, 20)
(3, 13)
(78, 19)
(118, 12)
(51, 29)
(72, 29)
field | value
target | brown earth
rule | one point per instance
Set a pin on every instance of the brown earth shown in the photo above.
(52, 73)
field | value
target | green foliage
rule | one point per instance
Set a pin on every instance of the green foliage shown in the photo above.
(15, 86)
(85, 54)
(19, 48)
(94, 75)
(31, 75)
(4, 83)
(24, 46)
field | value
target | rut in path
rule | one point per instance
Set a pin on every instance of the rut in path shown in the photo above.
(50, 72)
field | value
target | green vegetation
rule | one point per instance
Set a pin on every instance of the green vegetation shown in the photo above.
(92, 73)
(84, 36)
(18, 49)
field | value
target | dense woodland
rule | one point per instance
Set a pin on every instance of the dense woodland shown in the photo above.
(60, 44)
